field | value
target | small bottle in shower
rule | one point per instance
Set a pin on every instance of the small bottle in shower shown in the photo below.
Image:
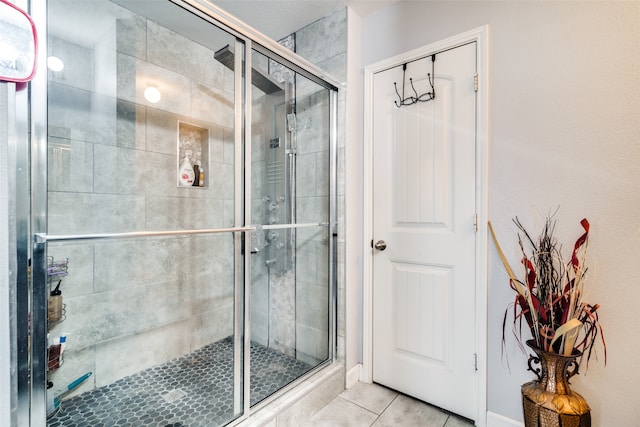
(196, 176)
(186, 174)
(54, 306)
(201, 177)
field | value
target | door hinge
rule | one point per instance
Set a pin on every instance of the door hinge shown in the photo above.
(475, 82)
(475, 222)
(475, 361)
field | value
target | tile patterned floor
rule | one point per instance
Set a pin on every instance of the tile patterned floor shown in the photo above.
(195, 390)
(366, 405)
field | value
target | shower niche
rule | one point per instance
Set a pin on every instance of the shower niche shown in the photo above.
(193, 148)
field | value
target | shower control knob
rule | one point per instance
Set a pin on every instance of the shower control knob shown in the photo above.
(380, 245)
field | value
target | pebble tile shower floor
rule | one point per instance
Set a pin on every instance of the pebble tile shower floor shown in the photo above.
(195, 390)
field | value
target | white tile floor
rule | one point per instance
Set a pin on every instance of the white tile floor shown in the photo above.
(376, 406)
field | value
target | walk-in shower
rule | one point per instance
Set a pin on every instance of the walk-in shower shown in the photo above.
(180, 304)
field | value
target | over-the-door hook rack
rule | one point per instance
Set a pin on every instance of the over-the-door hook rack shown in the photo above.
(410, 100)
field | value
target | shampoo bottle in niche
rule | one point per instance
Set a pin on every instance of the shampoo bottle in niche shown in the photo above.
(196, 174)
(186, 174)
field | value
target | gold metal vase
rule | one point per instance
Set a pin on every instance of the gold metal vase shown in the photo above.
(549, 401)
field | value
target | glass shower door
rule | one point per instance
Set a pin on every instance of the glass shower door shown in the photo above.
(140, 264)
(290, 198)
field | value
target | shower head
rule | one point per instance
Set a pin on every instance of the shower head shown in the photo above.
(259, 79)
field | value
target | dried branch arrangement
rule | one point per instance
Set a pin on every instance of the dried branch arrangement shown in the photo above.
(551, 296)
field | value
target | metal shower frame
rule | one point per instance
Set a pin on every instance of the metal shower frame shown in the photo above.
(31, 209)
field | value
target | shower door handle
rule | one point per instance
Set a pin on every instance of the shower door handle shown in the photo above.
(380, 245)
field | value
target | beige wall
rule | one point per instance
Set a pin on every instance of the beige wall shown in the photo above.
(565, 129)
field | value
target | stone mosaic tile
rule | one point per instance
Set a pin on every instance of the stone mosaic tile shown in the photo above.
(195, 390)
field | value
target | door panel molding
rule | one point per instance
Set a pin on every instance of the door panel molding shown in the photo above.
(426, 335)
(480, 37)
(408, 163)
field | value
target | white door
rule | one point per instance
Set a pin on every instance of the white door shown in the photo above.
(424, 209)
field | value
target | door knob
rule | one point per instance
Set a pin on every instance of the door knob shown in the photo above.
(380, 245)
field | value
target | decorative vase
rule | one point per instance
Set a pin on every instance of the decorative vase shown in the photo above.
(549, 401)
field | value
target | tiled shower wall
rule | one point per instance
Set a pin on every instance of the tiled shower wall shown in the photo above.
(131, 304)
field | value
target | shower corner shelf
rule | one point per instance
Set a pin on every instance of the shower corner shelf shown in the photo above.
(56, 271)
(53, 323)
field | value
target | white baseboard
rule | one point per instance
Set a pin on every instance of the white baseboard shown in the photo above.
(497, 420)
(353, 376)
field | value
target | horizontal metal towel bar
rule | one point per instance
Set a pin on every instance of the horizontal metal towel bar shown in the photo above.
(278, 226)
(42, 238)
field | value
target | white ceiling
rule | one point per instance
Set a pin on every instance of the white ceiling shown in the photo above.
(279, 18)
(84, 22)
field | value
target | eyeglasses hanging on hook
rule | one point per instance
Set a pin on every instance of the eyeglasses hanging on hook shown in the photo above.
(425, 97)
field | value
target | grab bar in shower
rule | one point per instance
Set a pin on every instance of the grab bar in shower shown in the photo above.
(42, 238)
